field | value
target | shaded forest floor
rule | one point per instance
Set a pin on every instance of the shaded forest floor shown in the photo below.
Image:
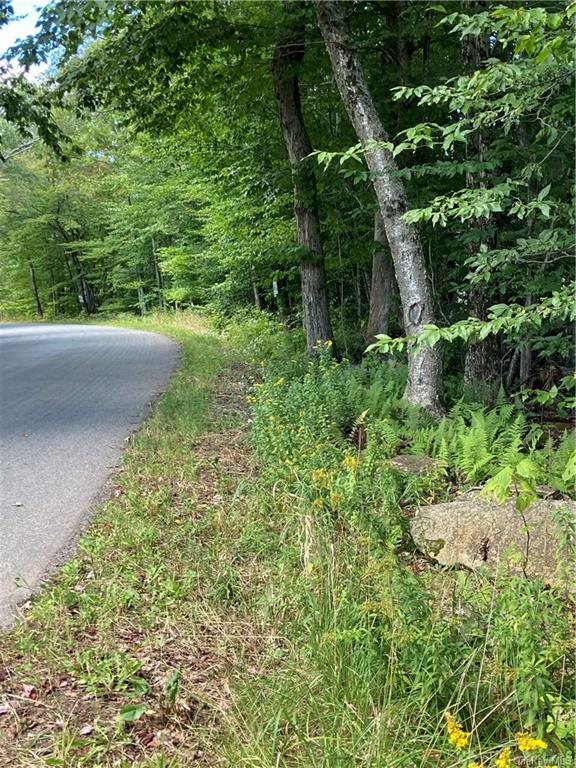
(248, 596)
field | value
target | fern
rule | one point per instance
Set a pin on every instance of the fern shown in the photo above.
(510, 444)
(443, 455)
(562, 457)
(475, 458)
(383, 438)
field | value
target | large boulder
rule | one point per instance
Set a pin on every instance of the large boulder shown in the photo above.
(407, 464)
(475, 531)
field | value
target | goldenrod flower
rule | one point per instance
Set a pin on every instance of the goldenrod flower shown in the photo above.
(503, 759)
(456, 735)
(474, 764)
(351, 462)
(319, 476)
(528, 744)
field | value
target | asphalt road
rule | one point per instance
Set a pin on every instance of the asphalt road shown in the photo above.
(70, 395)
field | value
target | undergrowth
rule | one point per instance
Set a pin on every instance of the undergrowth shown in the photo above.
(383, 648)
(250, 595)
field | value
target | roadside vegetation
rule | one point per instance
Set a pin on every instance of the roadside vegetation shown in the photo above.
(249, 595)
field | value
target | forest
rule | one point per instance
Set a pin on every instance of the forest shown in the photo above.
(370, 206)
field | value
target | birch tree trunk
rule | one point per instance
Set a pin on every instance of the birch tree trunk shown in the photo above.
(288, 55)
(382, 284)
(424, 383)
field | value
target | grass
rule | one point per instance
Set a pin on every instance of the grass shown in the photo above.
(249, 597)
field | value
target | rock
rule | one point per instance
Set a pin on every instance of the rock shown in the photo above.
(407, 464)
(476, 531)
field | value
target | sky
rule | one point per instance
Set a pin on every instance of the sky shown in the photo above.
(15, 30)
(18, 29)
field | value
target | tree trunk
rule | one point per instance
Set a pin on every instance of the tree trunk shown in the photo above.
(512, 368)
(142, 301)
(75, 282)
(525, 363)
(256, 293)
(158, 275)
(288, 55)
(85, 289)
(54, 293)
(482, 368)
(526, 353)
(37, 301)
(282, 295)
(482, 374)
(382, 284)
(424, 365)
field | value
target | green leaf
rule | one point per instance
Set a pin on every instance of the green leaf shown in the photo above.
(528, 469)
(498, 309)
(500, 484)
(544, 192)
(569, 473)
(131, 712)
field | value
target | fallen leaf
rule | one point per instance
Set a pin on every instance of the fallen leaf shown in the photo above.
(147, 739)
(29, 692)
(86, 730)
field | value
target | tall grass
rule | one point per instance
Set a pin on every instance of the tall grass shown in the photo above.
(377, 644)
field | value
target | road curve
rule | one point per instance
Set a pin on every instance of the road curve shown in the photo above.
(69, 397)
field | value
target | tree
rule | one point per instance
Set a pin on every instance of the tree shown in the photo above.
(518, 107)
(424, 384)
(482, 375)
(145, 50)
(382, 285)
(288, 55)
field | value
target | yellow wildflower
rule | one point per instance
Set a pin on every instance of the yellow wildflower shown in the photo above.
(334, 499)
(503, 759)
(319, 476)
(456, 735)
(250, 399)
(474, 764)
(351, 462)
(528, 744)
